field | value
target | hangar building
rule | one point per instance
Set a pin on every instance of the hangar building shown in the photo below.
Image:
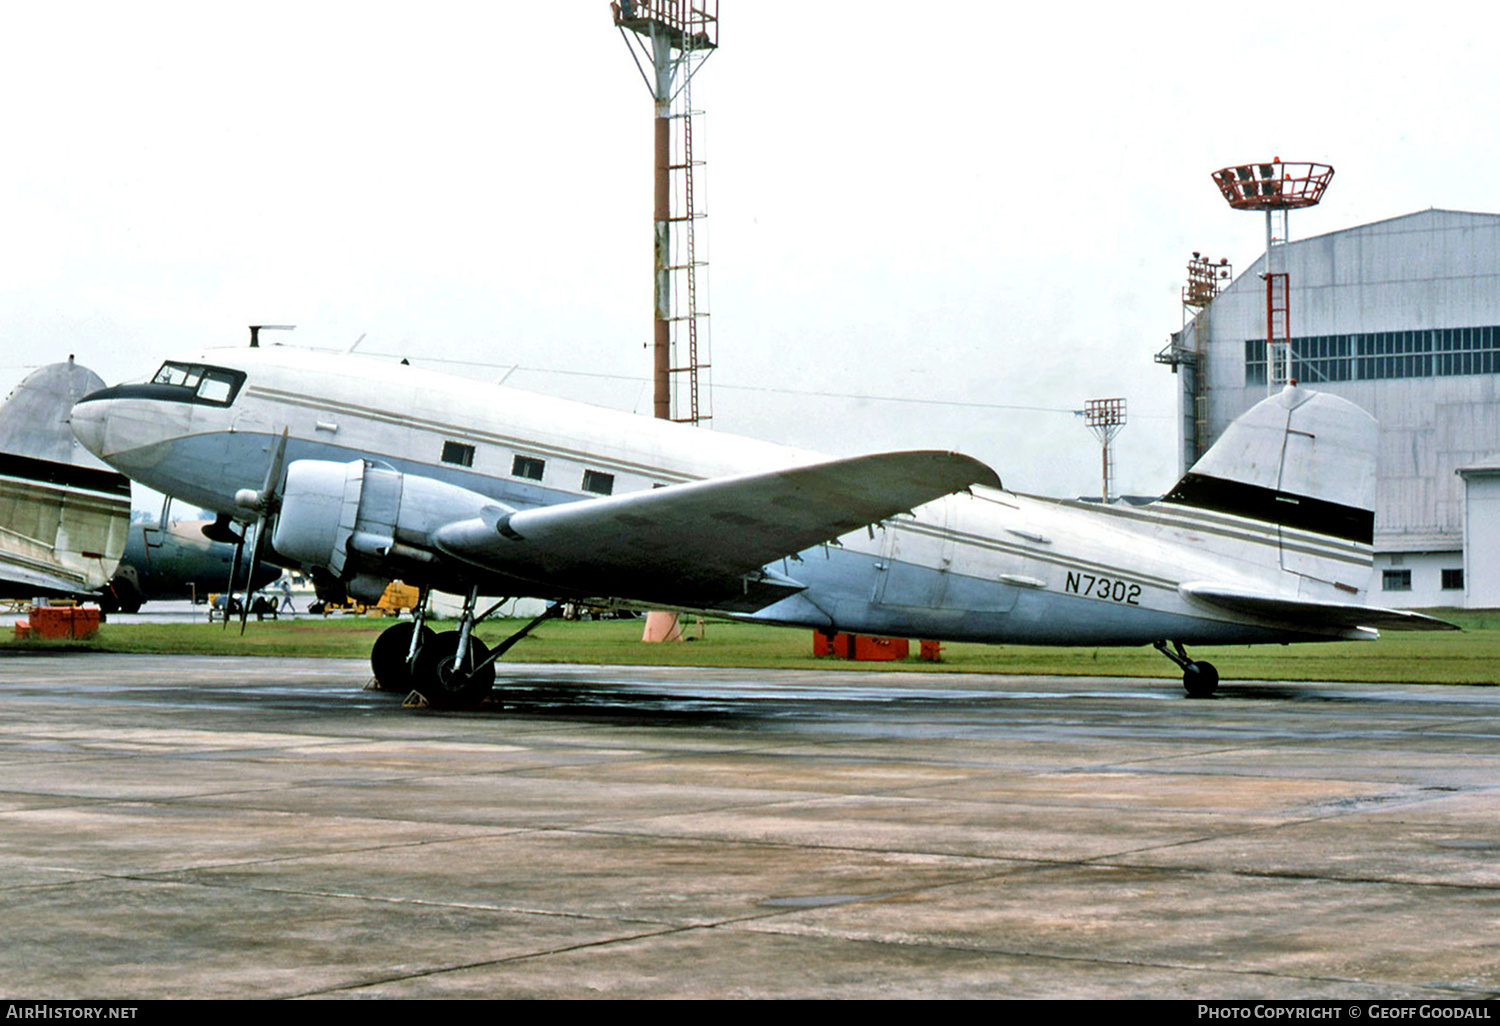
(1401, 316)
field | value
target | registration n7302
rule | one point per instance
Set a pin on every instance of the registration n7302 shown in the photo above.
(1111, 589)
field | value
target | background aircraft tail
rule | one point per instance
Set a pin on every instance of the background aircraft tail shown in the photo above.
(63, 513)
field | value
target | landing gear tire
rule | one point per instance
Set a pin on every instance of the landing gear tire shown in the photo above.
(1200, 680)
(388, 657)
(447, 685)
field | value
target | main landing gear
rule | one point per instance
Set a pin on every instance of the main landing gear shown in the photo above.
(452, 670)
(1199, 679)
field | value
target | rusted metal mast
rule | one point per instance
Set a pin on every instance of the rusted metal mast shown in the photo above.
(669, 40)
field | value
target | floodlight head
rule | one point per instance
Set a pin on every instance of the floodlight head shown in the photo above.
(1278, 185)
(1104, 412)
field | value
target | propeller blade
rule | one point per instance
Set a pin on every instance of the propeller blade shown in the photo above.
(267, 503)
(250, 579)
(234, 573)
(273, 472)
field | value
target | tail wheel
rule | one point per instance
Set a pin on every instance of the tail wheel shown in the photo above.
(1200, 680)
(447, 685)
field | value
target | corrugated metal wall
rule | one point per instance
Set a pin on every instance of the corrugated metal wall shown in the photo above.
(1429, 270)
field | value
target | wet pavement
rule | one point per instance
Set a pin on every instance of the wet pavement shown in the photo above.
(238, 827)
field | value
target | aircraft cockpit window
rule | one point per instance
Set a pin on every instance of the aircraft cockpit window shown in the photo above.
(176, 374)
(214, 386)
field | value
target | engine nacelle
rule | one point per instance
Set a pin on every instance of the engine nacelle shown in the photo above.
(365, 523)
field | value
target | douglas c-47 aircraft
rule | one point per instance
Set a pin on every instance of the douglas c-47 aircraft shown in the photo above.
(362, 471)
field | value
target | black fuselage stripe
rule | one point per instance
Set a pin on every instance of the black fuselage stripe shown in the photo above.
(29, 468)
(1268, 505)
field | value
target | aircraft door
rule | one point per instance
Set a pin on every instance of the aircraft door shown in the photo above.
(916, 555)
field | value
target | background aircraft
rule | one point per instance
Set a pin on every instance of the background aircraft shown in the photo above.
(63, 513)
(174, 561)
(363, 471)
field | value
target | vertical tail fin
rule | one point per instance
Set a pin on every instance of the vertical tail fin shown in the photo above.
(1304, 462)
(1298, 459)
(67, 514)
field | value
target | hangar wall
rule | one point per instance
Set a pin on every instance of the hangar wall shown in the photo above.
(1401, 316)
(1482, 533)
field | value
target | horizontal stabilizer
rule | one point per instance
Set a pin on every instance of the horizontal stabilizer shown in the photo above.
(1310, 614)
(704, 543)
(29, 578)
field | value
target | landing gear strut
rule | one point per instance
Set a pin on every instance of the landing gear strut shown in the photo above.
(1199, 679)
(394, 658)
(452, 670)
(455, 671)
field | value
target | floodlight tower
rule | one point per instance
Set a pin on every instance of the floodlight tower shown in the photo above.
(1205, 279)
(1277, 187)
(1105, 418)
(670, 40)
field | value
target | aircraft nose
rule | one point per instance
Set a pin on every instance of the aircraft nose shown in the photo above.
(87, 420)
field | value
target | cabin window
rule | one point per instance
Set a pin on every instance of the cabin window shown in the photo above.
(1395, 580)
(597, 482)
(528, 467)
(458, 454)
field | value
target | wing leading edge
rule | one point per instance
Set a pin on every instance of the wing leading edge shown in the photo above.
(706, 543)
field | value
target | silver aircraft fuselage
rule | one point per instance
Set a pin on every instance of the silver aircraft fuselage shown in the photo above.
(982, 565)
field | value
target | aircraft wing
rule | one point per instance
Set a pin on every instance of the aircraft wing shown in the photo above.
(1310, 613)
(706, 543)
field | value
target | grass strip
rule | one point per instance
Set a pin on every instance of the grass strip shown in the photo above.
(1470, 657)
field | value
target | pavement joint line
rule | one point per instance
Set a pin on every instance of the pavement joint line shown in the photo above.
(1021, 860)
(182, 875)
(1014, 866)
(378, 899)
(1362, 806)
(1442, 990)
(490, 963)
(1093, 861)
(1137, 963)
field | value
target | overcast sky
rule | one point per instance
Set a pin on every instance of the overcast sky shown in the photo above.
(984, 206)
